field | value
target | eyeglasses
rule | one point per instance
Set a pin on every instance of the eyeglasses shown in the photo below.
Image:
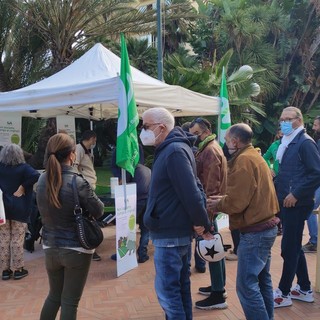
(288, 119)
(147, 126)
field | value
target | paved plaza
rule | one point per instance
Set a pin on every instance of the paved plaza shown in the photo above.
(132, 295)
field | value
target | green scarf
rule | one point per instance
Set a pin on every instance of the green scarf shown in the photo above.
(203, 143)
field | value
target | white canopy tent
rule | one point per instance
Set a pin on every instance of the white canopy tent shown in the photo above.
(88, 88)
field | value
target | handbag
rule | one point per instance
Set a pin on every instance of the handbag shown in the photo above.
(89, 232)
(211, 250)
(2, 213)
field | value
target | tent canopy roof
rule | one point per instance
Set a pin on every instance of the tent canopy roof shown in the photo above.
(88, 88)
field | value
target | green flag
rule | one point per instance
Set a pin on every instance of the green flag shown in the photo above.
(127, 152)
(225, 120)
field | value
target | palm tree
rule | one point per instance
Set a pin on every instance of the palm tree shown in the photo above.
(70, 26)
(6, 22)
(178, 15)
(185, 70)
(142, 56)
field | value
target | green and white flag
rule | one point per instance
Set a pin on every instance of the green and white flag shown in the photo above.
(225, 120)
(127, 152)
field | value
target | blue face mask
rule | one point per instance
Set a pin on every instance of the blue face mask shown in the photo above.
(286, 127)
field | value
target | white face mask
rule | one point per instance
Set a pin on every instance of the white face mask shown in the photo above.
(92, 146)
(231, 148)
(147, 137)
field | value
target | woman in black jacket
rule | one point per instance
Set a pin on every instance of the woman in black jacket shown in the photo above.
(67, 263)
(16, 182)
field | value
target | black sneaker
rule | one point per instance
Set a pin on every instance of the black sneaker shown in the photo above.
(7, 274)
(96, 257)
(143, 259)
(309, 247)
(19, 274)
(200, 269)
(206, 291)
(214, 301)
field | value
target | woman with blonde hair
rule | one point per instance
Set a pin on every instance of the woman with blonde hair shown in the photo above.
(16, 182)
(67, 263)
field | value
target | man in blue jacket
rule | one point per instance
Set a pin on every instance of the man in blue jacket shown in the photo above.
(296, 183)
(176, 205)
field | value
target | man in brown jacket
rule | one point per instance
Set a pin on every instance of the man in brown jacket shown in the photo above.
(251, 204)
(212, 173)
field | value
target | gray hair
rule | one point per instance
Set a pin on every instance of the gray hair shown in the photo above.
(161, 115)
(296, 110)
(11, 155)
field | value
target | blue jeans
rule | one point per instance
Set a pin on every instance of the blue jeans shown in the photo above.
(294, 260)
(313, 220)
(172, 281)
(254, 285)
(199, 262)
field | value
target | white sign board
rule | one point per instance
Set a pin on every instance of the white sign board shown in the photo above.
(67, 124)
(126, 227)
(10, 129)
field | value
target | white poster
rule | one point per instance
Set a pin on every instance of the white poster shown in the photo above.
(67, 124)
(222, 221)
(10, 129)
(126, 227)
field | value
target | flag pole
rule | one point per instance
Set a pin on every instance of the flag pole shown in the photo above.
(124, 183)
(219, 122)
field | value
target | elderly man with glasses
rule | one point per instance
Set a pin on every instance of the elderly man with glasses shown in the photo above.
(296, 183)
(176, 205)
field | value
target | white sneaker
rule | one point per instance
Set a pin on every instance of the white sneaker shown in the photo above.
(280, 300)
(297, 294)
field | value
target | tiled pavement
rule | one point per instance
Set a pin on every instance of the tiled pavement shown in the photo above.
(132, 295)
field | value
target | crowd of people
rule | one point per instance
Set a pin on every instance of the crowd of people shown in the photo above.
(191, 181)
(255, 198)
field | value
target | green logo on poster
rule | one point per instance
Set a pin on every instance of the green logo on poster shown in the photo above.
(132, 222)
(15, 138)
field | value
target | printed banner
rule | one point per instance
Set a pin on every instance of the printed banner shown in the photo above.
(67, 124)
(10, 129)
(126, 227)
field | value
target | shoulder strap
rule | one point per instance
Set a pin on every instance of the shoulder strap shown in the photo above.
(77, 208)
